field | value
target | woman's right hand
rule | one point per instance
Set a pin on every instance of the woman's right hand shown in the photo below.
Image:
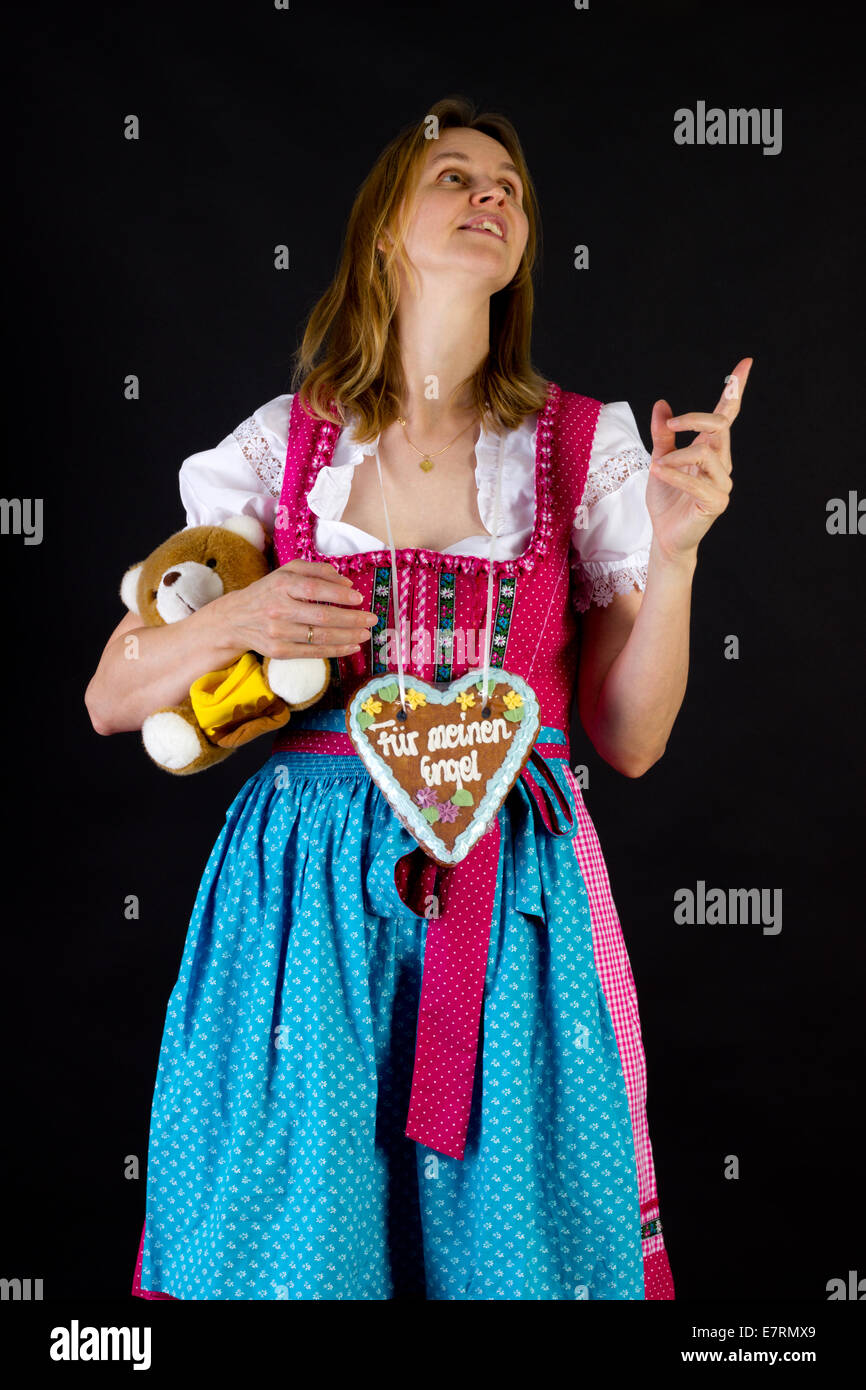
(273, 615)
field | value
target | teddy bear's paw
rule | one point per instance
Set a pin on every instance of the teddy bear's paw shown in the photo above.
(170, 740)
(298, 680)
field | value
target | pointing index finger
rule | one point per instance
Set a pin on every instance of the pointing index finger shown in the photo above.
(732, 395)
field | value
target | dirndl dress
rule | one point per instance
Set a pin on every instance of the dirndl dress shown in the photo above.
(279, 1163)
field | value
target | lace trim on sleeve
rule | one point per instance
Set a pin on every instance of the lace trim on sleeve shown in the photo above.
(258, 453)
(597, 582)
(612, 473)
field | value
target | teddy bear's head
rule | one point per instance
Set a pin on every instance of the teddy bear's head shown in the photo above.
(193, 567)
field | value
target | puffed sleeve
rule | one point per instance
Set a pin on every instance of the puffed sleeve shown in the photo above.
(243, 474)
(612, 532)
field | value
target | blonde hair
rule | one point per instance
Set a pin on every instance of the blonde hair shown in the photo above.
(349, 358)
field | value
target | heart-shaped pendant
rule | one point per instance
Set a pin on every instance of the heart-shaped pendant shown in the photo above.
(447, 767)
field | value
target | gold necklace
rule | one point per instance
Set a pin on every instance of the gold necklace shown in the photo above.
(427, 459)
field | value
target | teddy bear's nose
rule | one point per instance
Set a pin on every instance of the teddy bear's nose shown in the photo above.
(171, 577)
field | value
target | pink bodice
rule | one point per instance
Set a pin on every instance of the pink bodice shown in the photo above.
(442, 602)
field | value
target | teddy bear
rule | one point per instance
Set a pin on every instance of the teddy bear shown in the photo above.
(252, 696)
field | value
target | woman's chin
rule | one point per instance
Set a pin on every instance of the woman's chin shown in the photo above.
(487, 262)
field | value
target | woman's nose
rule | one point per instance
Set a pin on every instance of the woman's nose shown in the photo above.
(491, 193)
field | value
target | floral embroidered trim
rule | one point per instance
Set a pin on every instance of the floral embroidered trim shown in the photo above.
(444, 627)
(320, 456)
(651, 1228)
(597, 582)
(258, 453)
(612, 473)
(378, 633)
(504, 611)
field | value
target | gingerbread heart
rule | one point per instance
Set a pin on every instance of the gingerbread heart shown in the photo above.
(448, 766)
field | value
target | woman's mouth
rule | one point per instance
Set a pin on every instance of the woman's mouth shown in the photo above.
(493, 226)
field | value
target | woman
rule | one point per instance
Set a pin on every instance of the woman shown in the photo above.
(294, 1148)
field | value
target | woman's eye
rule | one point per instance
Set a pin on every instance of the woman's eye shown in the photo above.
(455, 173)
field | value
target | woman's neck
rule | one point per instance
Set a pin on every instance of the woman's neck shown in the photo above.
(441, 345)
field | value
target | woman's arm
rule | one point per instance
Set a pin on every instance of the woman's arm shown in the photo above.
(143, 669)
(634, 665)
(156, 670)
(635, 662)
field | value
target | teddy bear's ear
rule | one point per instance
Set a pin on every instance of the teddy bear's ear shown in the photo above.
(249, 528)
(129, 587)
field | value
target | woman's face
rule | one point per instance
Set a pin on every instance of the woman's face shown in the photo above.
(467, 180)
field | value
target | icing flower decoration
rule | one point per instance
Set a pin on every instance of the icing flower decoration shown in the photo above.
(426, 796)
(414, 698)
(465, 700)
(512, 700)
(448, 812)
(371, 706)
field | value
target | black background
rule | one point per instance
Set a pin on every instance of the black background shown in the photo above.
(155, 257)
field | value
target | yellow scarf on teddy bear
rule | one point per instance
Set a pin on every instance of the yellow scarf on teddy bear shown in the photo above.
(236, 704)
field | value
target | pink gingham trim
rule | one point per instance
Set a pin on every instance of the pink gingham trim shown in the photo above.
(617, 981)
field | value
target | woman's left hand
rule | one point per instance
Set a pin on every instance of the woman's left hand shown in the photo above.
(688, 488)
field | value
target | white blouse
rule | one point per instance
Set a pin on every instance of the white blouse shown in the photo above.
(611, 539)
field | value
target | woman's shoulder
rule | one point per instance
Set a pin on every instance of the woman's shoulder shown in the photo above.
(262, 439)
(243, 473)
(258, 443)
(612, 531)
(618, 451)
(615, 425)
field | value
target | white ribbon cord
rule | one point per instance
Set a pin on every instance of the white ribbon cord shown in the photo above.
(395, 590)
(395, 585)
(487, 627)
